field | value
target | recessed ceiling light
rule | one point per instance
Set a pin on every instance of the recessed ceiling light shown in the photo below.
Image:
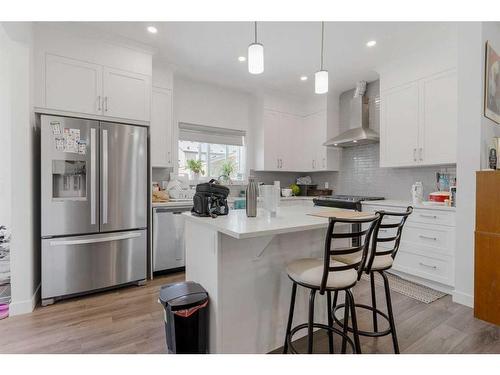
(303, 78)
(354, 141)
(152, 29)
(242, 58)
(371, 43)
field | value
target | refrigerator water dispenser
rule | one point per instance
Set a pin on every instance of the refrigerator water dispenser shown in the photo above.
(69, 179)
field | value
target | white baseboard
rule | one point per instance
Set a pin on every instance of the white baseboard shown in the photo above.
(463, 298)
(26, 306)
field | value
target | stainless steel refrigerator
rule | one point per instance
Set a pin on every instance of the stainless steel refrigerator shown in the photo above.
(94, 179)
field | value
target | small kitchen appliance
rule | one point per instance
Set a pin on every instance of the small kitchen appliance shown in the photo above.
(417, 192)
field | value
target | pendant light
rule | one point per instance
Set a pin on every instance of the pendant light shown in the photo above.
(321, 76)
(255, 55)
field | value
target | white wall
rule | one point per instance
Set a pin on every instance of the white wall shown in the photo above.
(25, 251)
(207, 104)
(5, 130)
(470, 133)
(489, 129)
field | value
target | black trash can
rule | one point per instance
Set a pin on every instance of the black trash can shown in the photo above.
(186, 317)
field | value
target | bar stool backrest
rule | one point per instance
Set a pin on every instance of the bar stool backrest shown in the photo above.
(385, 223)
(362, 237)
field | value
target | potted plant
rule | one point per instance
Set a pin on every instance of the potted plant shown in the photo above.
(196, 167)
(227, 169)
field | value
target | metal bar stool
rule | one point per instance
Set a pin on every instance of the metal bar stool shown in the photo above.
(380, 259)
(327, 275)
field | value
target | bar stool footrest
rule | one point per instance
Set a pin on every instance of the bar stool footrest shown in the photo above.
(325, 327)
(360, 332)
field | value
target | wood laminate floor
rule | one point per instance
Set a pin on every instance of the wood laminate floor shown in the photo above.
(130, 320)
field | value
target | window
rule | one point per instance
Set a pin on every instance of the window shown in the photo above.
(215, 147)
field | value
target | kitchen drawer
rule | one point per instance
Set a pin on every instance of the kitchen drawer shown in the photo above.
(432, 217)
(428, 238)
(439, 270)
(419, 215)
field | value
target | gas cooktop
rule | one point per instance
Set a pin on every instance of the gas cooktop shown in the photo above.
(349, 198)
(352, 202)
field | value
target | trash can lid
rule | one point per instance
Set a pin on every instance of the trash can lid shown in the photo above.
(183, 295)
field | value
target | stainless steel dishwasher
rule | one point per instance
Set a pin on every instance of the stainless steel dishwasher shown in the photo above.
(168, 237)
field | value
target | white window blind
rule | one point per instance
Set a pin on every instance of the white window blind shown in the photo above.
(210, 134)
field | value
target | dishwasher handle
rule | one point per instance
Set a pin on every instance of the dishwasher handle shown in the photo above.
(172, 210)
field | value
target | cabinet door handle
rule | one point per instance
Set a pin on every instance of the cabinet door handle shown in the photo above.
(414, 154)
(421, 150)
(277, 163)
(281, 163)
(428, 265)
(99, 107)
(429, 216)
(106, 104)
(427, 237)
(324, 162)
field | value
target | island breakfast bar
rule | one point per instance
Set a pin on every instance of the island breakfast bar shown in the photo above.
(241, 262)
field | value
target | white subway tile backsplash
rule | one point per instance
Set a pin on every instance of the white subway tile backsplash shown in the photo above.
(360, 174)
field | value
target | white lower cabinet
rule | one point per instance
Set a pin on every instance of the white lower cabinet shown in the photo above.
(161, 128)
(427, 248)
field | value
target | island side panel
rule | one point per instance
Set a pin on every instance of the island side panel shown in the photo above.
(202, 266)
(255, 289)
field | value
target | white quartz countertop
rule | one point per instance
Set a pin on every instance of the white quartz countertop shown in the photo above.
(295, 198)
(189, 202)
(397, 203)
(288, 219)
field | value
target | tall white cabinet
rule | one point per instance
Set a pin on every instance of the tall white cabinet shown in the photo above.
(418, 122)
(161, 128)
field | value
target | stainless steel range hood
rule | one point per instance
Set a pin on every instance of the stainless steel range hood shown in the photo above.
(359, 132)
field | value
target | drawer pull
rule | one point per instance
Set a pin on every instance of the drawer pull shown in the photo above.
(428, 266)
(427, 237)
(429, 216)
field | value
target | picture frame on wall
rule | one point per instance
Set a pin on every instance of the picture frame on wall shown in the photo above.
(492, 84)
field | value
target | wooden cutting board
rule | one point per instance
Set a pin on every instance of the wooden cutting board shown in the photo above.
(342, 214)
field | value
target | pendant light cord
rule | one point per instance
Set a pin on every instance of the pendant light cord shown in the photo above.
(322, 42)
(255, 23)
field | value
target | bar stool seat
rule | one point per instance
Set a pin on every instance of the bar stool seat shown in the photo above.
(309, 272)
(380, 262)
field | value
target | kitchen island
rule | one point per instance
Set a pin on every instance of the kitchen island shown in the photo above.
(241, 262)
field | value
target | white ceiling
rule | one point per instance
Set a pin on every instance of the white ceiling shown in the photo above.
(209, 51)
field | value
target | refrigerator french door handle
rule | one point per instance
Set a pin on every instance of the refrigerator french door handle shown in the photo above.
(93, 167)
(125, 236)
(104, 176)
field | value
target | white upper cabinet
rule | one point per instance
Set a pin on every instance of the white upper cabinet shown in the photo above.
(295, 143)
(439, 117)
(126, 95)
(73, 85)
(399, 126)
(418, 122)
(161, 128)
(86, 76)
